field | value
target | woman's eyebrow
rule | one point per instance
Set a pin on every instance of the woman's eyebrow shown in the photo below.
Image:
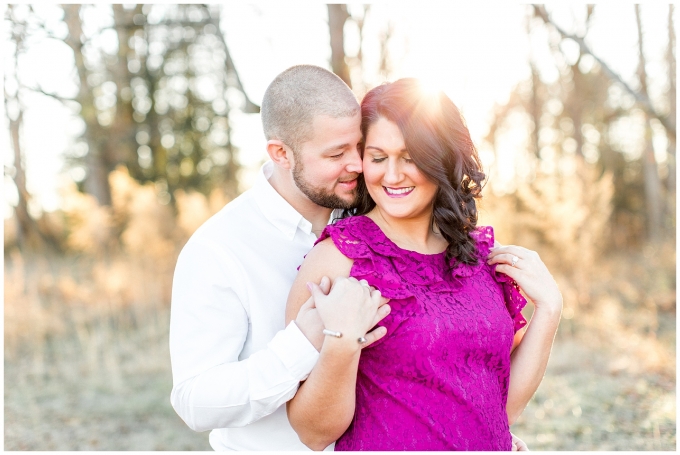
(381, 150)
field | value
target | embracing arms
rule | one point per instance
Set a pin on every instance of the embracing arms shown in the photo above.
(213, 387)
(530, 358)
(323, 407)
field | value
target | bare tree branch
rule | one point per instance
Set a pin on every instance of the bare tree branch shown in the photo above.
(51, 95)
(641, 98)
(250, 107)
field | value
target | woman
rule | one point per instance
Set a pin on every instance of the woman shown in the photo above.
(440, 377)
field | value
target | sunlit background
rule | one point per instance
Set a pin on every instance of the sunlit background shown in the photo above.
(127, 126)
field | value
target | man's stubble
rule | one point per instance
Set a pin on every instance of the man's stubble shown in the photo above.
(319, 196)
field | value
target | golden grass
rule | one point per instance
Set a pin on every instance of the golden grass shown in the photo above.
(86, 356)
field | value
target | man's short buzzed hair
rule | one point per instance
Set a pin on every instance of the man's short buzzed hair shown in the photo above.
(298, 95)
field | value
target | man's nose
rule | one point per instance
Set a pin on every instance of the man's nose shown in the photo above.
(354, 164)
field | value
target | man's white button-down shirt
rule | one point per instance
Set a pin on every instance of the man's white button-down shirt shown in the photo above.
(234, 363)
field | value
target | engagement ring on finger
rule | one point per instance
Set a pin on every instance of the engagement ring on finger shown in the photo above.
(362, 340)
(514, 261)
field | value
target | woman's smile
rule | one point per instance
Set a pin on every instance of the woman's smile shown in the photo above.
(398, 192)
(392, 177)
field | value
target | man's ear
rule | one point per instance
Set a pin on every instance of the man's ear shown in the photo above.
(279, 153)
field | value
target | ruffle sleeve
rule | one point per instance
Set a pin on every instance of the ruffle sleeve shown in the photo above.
(377, 263)
(514, 300)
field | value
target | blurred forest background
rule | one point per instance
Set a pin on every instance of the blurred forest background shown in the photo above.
(581, 159)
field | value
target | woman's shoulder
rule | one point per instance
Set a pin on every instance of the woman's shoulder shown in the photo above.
(484, 237)
(353, 229)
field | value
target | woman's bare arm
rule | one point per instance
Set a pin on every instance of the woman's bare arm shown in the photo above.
(530, 358)
(323, 407)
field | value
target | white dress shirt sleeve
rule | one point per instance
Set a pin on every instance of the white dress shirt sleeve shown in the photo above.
(212, 388)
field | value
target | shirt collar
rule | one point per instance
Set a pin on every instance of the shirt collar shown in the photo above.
(275, 208)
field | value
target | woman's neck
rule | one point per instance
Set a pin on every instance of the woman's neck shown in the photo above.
(414, 233)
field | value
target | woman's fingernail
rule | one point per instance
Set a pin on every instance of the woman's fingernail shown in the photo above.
(309, 286)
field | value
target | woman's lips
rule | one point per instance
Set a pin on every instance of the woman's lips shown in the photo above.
(398, 192)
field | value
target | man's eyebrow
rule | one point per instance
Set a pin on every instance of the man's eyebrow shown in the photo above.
(336, 147)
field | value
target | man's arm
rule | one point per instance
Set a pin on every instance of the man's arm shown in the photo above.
(212, 388)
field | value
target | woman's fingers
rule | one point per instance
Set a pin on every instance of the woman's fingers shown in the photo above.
(381, 314)
(375, 335)
(512, 272)
(509, 249)
(507, 258)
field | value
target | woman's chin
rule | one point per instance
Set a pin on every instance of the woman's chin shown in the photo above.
(405, 213)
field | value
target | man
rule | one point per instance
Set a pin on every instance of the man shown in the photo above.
(233, 362)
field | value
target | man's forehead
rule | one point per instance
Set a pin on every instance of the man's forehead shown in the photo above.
(325, 119)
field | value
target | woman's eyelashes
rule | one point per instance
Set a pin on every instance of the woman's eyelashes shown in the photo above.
(380, 160)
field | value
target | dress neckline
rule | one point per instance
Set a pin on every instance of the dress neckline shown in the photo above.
(390, 242)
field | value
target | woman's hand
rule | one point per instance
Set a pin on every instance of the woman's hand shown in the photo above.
(528, 270)
(352, 308)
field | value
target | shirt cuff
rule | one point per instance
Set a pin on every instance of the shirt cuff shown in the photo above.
(295, 351)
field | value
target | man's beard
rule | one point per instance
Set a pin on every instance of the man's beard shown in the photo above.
(320, 196)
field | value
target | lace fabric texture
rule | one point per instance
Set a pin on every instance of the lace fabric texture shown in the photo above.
(439, 379)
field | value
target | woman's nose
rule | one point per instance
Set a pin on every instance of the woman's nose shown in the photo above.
(392, 173)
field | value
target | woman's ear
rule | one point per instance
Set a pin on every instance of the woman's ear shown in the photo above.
(279, 153)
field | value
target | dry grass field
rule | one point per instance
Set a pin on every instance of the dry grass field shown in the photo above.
(97, 377)
(86, 340)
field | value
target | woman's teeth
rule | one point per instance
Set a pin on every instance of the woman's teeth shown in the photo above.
(399, 190)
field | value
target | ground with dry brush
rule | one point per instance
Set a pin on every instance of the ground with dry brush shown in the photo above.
(98, 377)
(86, 334)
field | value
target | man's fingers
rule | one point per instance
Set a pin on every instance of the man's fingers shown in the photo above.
(315, 290)
(325, 285)
(308, 305)
(375, 335)
(518, 444)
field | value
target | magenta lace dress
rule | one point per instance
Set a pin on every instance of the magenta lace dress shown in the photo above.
(439, 379)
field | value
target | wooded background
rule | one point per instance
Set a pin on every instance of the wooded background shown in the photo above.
(87, 286)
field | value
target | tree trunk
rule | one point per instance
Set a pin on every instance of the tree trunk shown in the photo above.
(29, 235)
(670, 56)
(121, 143)
(649, 165)
(96, 181)
(337, 15)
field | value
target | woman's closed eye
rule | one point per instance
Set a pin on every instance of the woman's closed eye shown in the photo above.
(378, 160)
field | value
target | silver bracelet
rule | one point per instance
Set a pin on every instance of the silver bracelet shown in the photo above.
(332, 333)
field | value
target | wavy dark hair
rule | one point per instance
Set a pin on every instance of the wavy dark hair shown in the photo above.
(439, 143)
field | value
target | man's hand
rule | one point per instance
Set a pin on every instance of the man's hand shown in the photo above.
(308, 320)
(351, 308)
(518, 445)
